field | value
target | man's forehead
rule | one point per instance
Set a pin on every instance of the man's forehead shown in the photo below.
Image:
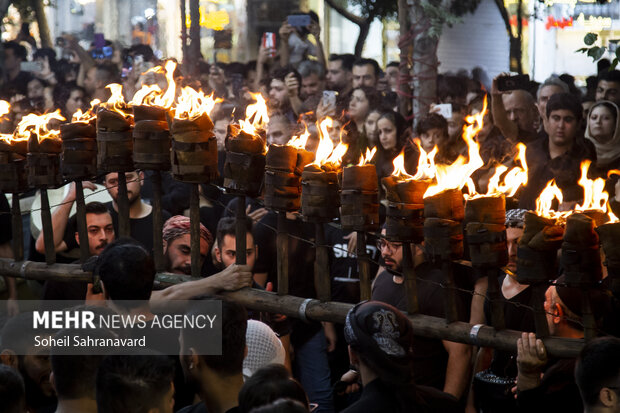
(276, 83)
(98, 219)
(562, 113)
(335, 65)
(551, 90)
(363, 68)
(607, 84)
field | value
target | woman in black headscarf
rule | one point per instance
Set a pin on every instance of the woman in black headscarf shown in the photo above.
(380, 340)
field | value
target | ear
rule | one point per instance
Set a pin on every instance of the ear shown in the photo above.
(353, 357)
(141, 177)
(608, 397)
(558, 314)
(218, 254)
(53, 381)
(77, 238)
(194, 360)
(9, 358)
(256, 252)
(165, 244)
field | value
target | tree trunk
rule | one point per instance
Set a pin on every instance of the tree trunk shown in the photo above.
(44, 30)
(194, 35)
(361, 39)
(515, 42)
(519, 52)
(424, 65)
(404, 91)
(184, 31)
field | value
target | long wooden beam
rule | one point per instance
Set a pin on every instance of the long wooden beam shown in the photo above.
(312, 309)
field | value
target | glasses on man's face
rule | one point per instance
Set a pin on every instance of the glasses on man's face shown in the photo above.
(392, 246)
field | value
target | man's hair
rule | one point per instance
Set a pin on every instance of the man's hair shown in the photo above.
(133, 383)
(227, 226)
(234, 325)
(267, 384)
(598, 366)
(371, 62)
(309, 67)
(552, 81)
(346, 60)
(18, 333)
(12, 390)
(432, 121)
(280, 73)
(18, 50)
(127, 270)
(609, 76)
(565, 101)
(95, 207)
(142, 49)
(75, 375)
(107, 73)
(62, 93)
(393, 64)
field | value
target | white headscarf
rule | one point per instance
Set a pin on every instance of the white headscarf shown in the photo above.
(609, 151)
(264, 347)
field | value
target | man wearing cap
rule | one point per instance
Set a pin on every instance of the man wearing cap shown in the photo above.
(177, 244)
(556, 388)
(382, 349)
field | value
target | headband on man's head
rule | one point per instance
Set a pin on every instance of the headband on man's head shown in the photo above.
(515, 218)
(179, 225)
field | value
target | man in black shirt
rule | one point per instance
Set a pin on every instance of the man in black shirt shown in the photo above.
(440, 364)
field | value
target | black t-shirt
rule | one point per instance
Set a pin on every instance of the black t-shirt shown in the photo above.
(141, 229)
(6, 231)
(516, 317)
(343, 267)
(430, 356)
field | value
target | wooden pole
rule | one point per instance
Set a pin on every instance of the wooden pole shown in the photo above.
(48, 232)
(17, 227)
(322, 278)
(81, 221)
(282, 244)
(240, 235)
(124, 227)
(184, 31)
(540, 316)
(363, 265)
(589, 322)
(158, 223)
(259, 300)
(194, 219)
(493, 292)
(411, 285)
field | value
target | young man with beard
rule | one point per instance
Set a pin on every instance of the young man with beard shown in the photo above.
(18, 351)
(284, 90)
(440, 364)
(100, 233)
(217, 379)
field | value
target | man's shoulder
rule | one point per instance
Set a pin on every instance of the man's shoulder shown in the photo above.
(195, 408)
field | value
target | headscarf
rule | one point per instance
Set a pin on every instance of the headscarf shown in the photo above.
(264, 347)
(515, 218)
(609, 151)
(179, 225)
(384, 338)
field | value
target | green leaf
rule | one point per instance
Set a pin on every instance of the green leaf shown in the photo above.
(614, 64)
(596, 52)
(618, 52)
(582, 50)
(590, 38)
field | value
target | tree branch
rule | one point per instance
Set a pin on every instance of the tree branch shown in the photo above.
(505, 17)
(345, 13)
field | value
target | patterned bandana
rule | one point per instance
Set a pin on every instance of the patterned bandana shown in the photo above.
(179, 225)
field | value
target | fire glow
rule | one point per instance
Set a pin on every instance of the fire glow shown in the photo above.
(399, 168)
(38, 124)
(370, 153)
(192, 104)
(299, 141)
(152, 95)
(116, 102)
(89, 115)
(328, 157)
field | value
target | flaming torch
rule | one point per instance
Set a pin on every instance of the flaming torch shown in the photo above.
(609, 235)
(13, 178)
(79, 162)
(284, 164)
(360, 210)
(115, 147)
(320, 201)
(194, 154)
(43, 164)
(152, 142)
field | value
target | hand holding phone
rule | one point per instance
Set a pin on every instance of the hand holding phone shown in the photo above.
(299, 20)
(445, 110)
(508, 83)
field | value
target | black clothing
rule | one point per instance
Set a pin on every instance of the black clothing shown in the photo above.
(557, 392)
(199, 407)
(6, 230)
(175, 194)
(380, 397)
(430, 356)
(343, 267)
(565, 169)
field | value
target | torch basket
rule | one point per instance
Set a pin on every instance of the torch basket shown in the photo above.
(319, 196)
(536, 266)
(487, 244)
(405, 222)
(243, 173)
(443, 239)
(43, 170)
(115, 151)
(13, 177)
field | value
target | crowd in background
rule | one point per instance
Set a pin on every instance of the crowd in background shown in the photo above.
(365, 365)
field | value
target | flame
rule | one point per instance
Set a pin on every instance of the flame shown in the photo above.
(512, 180)
(612, 217)
(369, 155)
(399, 168)
(152, 95)
(9, 138)
(426, 163)
(257, 112)
(192, 104)
(38, 124)
(5, 108)
(545, 200)
(456, 175)
(326, 154)
(116, 103)
(87, 116)
(299, 142)
(594, 194)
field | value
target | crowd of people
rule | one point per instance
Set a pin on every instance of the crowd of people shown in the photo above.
(375, 362)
